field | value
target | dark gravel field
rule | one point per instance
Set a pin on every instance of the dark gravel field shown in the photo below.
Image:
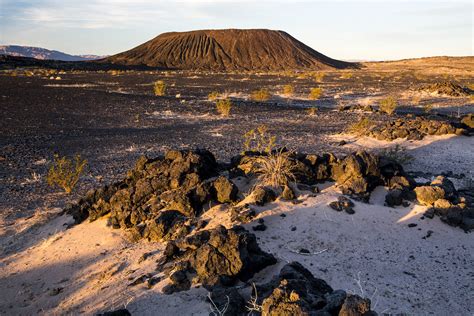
(111, 120)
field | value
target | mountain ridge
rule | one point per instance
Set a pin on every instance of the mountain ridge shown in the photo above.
(43, 53)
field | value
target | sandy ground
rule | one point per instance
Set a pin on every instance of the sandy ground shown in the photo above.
(427, 269)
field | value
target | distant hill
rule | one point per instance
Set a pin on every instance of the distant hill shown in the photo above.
(43, 53)
(231, 49)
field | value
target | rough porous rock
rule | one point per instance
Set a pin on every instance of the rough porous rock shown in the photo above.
(428, 195)
(468, 120)
(263, 195)
(413, 129)
(343, 204)
(159, 196)
(288, 193)
(357, 174)
(229, 297)
(295, 291)
(446, 89)
(216, 257)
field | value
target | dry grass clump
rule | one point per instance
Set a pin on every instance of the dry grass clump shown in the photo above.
(361, 127)
(312, 111)
(223, 107)
(428, 108)
(319, 76)
(160, 88)
(347, 75)
(398, 154)
(388, 105)
(260, 95)
(288, 90)
(315, 93)
(213, 96)
(276, 169)
(65, 172)
(259, 140)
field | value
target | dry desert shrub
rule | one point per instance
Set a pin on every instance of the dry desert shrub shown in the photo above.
(398, 154)
(288, 90)
(428, 108)
(312, 111)
(360, 127)
(319, 76)
(347, 75)
(275, 169)
(388, 105)
(213, 96)
(315, 93)
(159, 88)
(260, 95)
(223, 107)
(65, 172)
(259, 140)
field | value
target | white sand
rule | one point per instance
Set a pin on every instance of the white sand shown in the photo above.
(372, 253)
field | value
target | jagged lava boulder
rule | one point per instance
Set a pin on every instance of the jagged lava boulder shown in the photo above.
(295, 291)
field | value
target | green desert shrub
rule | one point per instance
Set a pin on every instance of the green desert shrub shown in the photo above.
(259, 139)
(315, 93)
(388, 105)
(213, 96)
(159, 88)
(319, 76)
(260, 95)
(288, 90)
(223, 107)
(347, 75)
(312, 111)
(361, 127)
(65, 172)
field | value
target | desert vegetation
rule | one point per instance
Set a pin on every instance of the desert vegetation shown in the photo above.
(315, 93)
(159, 87)
(260, 95)
(224, 106)
(259, 140)
(388, 105)
(65, 172)
(288, 90)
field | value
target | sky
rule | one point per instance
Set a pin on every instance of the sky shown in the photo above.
(343, 29)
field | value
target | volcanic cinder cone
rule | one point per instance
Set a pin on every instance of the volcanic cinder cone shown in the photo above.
(225, 50)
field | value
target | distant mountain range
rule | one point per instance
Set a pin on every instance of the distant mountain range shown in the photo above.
(43, 53)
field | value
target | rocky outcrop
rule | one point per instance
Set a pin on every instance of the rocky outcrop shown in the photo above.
(413, 129)
(444, 201)
(295, 291)
(217, 257)
(446, 88)
(160, 198)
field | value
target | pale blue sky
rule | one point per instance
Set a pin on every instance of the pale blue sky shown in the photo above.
(347, 29)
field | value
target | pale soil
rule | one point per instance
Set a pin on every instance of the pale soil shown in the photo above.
(372, 253)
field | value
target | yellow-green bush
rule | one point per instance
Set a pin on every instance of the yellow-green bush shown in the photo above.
(223, 107)
(388, 105)
(361, 127)
(315, 93)
(288, 90)
(259, 139)
(159, 87)
(312, 111)
(260, 95)
(65, 172)
(213, 96)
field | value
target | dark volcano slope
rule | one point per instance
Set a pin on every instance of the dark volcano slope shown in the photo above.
(227, 50)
